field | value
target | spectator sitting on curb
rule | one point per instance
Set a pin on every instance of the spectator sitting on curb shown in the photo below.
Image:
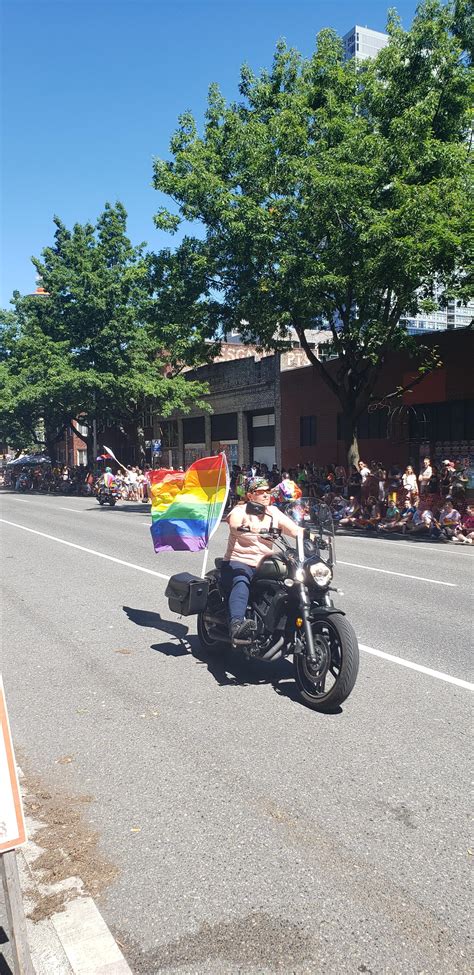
(370, 516)
(422, 521)
(338, 506)
(392, 518)
(406, 514)
(350, 513)
(449, 519)
(465, 533)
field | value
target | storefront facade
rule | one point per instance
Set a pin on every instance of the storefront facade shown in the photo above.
(243, 418)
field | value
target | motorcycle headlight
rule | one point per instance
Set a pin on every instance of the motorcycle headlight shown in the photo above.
(320, 573)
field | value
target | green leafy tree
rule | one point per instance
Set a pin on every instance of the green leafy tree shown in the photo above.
(100, 343)
(335, 194)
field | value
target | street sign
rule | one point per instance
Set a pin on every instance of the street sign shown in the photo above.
(12, 834)
(156, 446)
(12, 823)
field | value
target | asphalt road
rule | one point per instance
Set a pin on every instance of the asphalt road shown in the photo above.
(251, 834)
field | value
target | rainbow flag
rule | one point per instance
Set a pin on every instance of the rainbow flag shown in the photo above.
(186, 507)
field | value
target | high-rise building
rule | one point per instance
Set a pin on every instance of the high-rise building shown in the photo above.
(362, 42)
(453, 316)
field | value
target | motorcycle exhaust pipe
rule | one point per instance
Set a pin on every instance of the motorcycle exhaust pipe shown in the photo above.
(274, 650)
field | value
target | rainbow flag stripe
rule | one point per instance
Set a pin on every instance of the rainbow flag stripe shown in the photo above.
(186, 507)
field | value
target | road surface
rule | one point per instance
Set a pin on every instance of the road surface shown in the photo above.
(248, 834)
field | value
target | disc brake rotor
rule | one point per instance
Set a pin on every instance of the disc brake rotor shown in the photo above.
(317, 670)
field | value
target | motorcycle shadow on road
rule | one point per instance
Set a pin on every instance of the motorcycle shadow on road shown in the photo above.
(179, 646)
(228, 669)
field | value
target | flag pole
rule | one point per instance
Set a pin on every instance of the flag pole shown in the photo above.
(225, 467)
(113, 457)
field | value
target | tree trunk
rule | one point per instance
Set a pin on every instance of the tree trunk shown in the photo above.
(141, 446)
(136, 435)
(349, 436)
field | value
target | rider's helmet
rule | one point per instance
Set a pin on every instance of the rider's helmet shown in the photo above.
(108, 470)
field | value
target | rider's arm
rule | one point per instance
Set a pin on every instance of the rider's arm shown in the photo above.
(234, 519)
(288, 526)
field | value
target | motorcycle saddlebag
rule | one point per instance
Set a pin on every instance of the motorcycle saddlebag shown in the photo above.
(187, 594)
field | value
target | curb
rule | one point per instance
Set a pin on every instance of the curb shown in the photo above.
(75, 940)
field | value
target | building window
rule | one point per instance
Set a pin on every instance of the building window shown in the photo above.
(224, 427)
(82, 428)
(82, 457)
(307, 431)
(194, 430)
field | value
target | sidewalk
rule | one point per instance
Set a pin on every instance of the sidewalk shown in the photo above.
(70, 939)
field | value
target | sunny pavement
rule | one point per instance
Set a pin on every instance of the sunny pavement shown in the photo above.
(251, 834)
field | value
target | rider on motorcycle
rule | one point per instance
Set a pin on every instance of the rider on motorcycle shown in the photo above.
(107, 478)
(247, 547)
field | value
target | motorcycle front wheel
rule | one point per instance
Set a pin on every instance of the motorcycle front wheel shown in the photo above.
(325, 684)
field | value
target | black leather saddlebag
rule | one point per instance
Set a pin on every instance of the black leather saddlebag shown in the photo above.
(187, 594)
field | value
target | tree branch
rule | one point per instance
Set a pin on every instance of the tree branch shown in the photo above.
(333, 385)
(85, 439)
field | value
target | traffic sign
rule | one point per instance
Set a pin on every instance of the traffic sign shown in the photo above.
(12, 822)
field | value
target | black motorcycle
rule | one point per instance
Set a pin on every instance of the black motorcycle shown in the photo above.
(291, 607)
(107, 495)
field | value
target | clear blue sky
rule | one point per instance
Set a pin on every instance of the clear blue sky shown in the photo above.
(92, 89)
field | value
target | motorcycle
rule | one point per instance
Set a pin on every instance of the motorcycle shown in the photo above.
(23, 483)
(107, 495)
(291, 607)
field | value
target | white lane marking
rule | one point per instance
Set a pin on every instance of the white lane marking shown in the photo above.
(140, 568)
(44, 504)
(90, 551)
(422, 670)
(404, 575)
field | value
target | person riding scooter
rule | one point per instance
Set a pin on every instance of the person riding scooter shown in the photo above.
(246, 547)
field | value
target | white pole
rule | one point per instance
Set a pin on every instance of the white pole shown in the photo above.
(204, 562)
(206, 550)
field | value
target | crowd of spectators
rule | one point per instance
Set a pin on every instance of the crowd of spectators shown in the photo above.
(367, 498)
(371, 499)
(131, 483)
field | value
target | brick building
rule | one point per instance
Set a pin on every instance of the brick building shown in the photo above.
(436, 418)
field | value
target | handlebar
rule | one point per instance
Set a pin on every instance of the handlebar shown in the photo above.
(265, 533)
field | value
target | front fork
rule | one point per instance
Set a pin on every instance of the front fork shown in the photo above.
(305, 607)
(305, 613)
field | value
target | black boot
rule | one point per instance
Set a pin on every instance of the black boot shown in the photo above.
(241, 631)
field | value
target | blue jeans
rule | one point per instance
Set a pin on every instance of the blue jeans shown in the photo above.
(236, 578)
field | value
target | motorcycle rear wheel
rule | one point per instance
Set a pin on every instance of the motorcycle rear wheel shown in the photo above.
(326, 685)
(208, 644)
